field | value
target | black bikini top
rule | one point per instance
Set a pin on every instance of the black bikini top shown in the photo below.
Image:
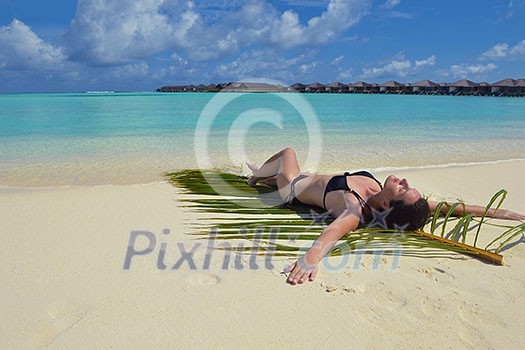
(338, 182)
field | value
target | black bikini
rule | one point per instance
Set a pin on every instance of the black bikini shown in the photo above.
(292, 198)
(336, 183)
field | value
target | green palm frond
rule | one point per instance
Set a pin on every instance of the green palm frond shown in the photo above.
(237, 211)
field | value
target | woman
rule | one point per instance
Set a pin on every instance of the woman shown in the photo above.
(354, 200)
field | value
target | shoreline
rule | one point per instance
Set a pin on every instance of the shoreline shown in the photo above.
(160, 178)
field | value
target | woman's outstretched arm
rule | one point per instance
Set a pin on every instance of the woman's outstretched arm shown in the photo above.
(306, 267)
(478, 210)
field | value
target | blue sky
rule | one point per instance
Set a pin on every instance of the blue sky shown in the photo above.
(64, 45)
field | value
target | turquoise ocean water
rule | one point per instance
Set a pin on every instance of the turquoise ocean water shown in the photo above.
(98, 138)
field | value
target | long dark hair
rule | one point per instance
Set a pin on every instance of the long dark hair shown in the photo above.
(407, 217)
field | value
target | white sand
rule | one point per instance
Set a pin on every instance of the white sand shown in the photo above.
(62, 282)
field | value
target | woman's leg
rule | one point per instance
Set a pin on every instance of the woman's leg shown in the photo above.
(283, 165)
(270, 181)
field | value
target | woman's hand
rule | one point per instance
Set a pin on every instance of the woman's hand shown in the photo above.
(301, 271)
(511, 215)
(306, 267)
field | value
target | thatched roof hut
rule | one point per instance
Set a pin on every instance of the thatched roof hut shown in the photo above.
(337, 84)
(424, 87)
(463, 87)
(520, 86)
(391, 86)
(484, 88)
(360, 84)
(390, 83)
(425, 83)
(463, 83)
(359, 87)
(505, 87)
(505, 83)
(315, 87)
(508, 87)
(297, 87)
(336, 87)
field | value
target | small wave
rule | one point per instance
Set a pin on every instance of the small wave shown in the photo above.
(447, 165)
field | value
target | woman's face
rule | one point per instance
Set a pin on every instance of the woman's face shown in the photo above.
(399, 189)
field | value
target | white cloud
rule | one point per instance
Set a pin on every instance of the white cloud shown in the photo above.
(399, 67)
(338, 17)
(144, 28)
(337, 61)
(108, 32)
(130, 71)
(387, 10)
(497, 51)
(261, 63)
(345, 75)
(262, 23)
(464, 70)
(308, 68)
(510, 8)
(179, 59)
(428, 62)
(22, 49)
(110, 39)
(399, 14)
(518, 49)
(390, 4)
(503, 50)
(259, 23)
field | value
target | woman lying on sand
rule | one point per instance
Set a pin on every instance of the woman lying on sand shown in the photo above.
(354, 200)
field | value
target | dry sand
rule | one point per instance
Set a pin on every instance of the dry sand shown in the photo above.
(62, 282)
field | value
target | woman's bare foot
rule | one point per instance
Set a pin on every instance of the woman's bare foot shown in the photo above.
(271, 181)
(252, 181)
(252, 167)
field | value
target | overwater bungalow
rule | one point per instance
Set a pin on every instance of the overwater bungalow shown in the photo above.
(507, 87)
(390, 87)
(359, 87)
(463, 87)
(297, 87)
(336, 87)
(424, 87)
(520, 85)
(373, 89)
(484, 89)
(315, 87)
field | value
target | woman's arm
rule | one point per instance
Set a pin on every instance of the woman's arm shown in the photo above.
(478, 210)
(306, 267)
